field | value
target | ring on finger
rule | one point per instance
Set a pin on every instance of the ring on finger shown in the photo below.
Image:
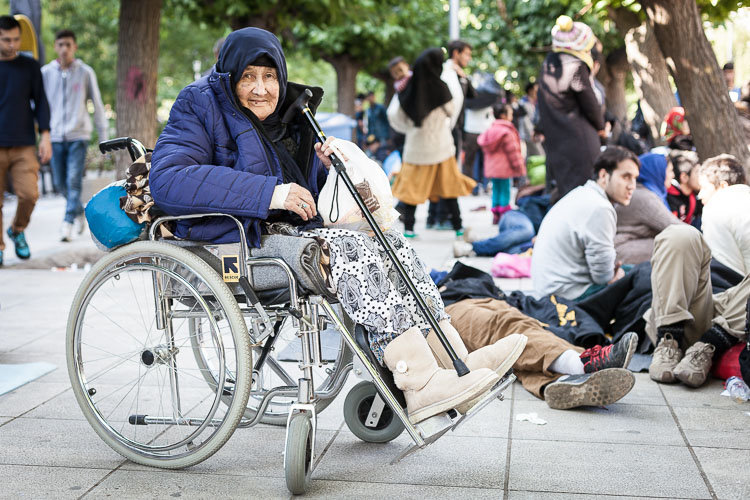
(303, 205)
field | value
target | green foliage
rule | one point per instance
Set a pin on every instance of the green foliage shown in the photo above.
(304, 70)
(372, 33)
(516, 42)
(717, 11)
(95, 23)
(274, 15)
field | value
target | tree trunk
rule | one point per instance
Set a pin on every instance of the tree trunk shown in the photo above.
(265, 22)
(650, 77)
(137, 66)
(650, 73)
(346, 82)
(713, 121)
(613, 74)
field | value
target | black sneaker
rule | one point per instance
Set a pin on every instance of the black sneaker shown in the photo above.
(612, 356)
(590, 389)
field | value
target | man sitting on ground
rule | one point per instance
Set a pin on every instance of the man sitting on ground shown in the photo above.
(574, 252)
(684, 313)
(682, 195)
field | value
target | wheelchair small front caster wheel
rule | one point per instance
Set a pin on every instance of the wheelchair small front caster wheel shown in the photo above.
(357, 408)
(298, 456)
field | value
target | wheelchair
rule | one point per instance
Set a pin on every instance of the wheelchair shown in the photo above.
(167, 359)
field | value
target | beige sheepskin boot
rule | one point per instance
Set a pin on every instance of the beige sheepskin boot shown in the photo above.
(429, 389)
(498, 357)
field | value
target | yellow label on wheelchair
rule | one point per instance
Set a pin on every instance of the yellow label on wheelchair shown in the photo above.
(230, 269)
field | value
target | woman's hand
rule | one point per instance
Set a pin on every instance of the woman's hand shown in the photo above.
(325, 150)
(301, 202)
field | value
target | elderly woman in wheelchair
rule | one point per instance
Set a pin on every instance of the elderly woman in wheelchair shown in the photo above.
(227, 149)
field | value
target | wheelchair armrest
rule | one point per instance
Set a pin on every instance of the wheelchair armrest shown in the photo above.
(243, 238)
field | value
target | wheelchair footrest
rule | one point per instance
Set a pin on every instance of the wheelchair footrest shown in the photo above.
(495, 393)
(431, 430)
(435, 427)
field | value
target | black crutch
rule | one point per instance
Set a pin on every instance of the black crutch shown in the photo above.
(302, 104)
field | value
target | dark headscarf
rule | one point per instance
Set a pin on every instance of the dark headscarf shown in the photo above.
(246, 46)
(425, 90)
(653, 174)
(258, 47)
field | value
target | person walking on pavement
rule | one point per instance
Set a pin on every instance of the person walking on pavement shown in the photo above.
(20, 85)
(425, 112)
(69, 84)
(459, 56)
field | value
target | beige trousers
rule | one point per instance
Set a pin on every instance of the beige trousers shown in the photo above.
(681, 283)
(21, 164)
(482, 322)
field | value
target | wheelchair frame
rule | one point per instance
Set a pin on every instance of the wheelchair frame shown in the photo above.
(309, 314)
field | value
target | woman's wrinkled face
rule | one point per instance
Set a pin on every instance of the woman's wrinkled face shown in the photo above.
(258, 90)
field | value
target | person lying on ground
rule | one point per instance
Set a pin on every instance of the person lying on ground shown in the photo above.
(225, 149)
(564, 375)
(574, 251)
(648, 212)
(682, 195)
(515, 233)
(684, 313)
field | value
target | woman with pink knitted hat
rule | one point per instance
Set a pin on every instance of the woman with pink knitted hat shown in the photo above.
(570, 116)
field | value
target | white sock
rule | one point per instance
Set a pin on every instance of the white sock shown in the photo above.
(568, 363)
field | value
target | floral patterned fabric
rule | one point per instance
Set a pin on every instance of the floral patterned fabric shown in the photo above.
(370, 289)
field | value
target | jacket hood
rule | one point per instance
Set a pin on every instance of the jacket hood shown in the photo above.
(244, 46)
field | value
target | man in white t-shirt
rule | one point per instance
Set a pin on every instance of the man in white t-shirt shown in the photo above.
(684, 312)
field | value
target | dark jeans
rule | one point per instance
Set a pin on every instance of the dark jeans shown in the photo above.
(514, 235)
(437, 213)
(68, 162)
(451, 205)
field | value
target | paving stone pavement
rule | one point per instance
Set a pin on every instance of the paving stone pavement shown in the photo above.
(658, 442)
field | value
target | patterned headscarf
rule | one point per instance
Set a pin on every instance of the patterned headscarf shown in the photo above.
(573, 38)
(674, 123)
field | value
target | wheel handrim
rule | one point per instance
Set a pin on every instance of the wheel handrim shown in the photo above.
(157, 360)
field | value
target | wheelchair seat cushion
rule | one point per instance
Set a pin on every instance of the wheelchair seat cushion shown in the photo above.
(302, 254)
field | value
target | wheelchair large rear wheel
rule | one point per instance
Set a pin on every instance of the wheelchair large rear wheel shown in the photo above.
(131, 357)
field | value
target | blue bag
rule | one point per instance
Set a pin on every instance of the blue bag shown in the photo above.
(110, 226)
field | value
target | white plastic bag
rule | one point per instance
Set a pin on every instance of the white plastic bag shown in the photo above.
(336, 204)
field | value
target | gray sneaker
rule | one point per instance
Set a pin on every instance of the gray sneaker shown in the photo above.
(666, 356)
(590, 389)
(694, 367)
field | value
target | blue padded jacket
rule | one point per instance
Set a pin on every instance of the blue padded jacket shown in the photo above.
(210, 158)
